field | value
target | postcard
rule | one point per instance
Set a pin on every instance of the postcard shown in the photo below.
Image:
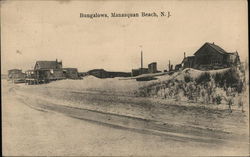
(125, 78)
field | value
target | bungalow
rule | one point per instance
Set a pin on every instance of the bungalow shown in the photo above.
(211, 56)
(16, 76)
(48, 70)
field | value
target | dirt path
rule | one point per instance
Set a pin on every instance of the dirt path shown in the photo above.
(33, 126)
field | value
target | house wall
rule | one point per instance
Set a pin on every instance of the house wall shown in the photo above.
(232, 59)
(52, 74)
(152, 68)
(14, 73)
(135, 72)
(209, 59)
(56, 74)
(71, 73)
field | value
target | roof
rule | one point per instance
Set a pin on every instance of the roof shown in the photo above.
(217, 48)
(47, 64)
(152, 63)
(69, 68)
(213, 46)
(15, 70)
(233, 53)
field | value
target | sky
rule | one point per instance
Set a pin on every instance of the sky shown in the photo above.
(50, 30)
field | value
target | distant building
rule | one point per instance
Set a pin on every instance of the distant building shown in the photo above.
(135, 72)
(16, 75)
(211, 56)
(152, 67)
(140, 71)
(48, 70)
(71, 73)
(178, 67)
(188, 62)
(13, 72)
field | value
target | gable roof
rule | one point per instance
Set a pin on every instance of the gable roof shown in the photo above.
(47, 64)
(213, 46)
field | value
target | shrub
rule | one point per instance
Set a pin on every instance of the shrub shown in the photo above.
(218, 99)
(187, 78)
(229, 78)
(218, 79)
(203, 78)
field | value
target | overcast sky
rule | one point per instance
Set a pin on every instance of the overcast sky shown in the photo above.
(46, 30)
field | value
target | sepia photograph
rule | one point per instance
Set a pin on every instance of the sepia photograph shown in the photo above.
(124, 78)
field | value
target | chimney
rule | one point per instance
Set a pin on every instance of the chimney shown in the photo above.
(56, 59)
(213, 43)
(184, 54)
(169, 68)
(141, 59)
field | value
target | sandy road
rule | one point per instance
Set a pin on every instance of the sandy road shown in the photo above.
(33, 126)
(166, 130)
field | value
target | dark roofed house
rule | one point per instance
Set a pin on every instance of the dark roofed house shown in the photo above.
(48, 70)
(211, 56)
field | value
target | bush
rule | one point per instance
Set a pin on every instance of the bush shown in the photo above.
(203, 78)
(229, 78)
(187, 78)
(218, 99)
(218, 79)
